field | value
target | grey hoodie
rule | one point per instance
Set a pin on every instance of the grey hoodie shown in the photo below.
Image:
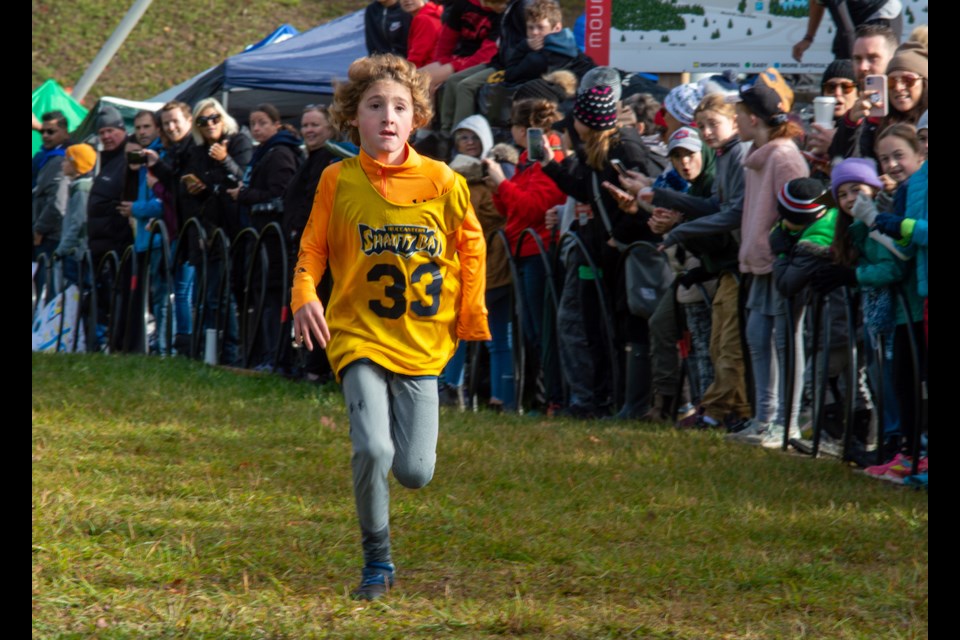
(479, 125)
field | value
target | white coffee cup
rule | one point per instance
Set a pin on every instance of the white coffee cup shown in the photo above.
(823, 107)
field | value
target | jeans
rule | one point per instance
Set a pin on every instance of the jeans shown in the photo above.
(767, 340)
(394, 421)
(184, 277)
(501, 346)
(698, 322)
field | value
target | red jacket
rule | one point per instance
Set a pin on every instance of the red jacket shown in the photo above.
(469, 35)
(424, 33)
(524, 201)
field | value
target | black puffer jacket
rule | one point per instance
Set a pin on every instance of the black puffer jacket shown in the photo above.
(107, 229)
(213, 206)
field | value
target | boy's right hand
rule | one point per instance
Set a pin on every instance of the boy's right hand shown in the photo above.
(309, 323)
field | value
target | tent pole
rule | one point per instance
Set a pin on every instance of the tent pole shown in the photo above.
(110, 48)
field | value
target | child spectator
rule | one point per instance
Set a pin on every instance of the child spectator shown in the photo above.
(900, 158)
(474, 139)
(79, 160)
(381, 222)
(467, 43)
(773, 160)
(708, 226)
(424, 30)
(548, 46)
(386, 27)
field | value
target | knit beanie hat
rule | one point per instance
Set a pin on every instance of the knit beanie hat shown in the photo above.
(768, 97)
(685, 138)
(682, 102)
(860, 170)
(602, 77)
(597, 108)
(922, 122)
(110, 117)
(910, 56)
(839, 68)
(540, 88)
(801, 201)
(83, 156)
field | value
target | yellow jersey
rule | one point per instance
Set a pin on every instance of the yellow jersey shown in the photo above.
(408, 261)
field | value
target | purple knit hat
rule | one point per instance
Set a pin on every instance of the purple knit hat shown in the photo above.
(861, 170)
(597, 108)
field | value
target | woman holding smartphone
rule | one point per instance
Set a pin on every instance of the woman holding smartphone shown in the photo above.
(215, 164)
(906, 96)
(524, 200)
(596, 139)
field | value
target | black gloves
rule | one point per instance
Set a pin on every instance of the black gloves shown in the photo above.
(782, 241)
(829, 277)
(694, 276)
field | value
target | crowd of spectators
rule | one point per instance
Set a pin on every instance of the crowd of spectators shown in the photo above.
(769, 225)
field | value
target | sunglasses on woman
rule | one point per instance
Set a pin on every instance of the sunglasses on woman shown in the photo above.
(211, 119)
(844, 85)
(906, 79)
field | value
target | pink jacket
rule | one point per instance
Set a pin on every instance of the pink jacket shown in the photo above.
(766, 170)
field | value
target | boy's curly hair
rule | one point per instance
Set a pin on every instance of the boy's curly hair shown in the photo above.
(364, 73)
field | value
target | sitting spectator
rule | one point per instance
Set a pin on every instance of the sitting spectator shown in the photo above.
(424, 30)
(548, 46)
(467, 43)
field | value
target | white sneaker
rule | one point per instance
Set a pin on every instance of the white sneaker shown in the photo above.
(753, 429)
(773, 438)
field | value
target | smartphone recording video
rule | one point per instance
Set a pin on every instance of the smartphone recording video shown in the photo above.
(535, 147)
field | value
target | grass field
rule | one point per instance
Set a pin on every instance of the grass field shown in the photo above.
(175, 500)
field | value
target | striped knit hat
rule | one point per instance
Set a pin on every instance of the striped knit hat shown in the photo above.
(597, 108)
(801, 201)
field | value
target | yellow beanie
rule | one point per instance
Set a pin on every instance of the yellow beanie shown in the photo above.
(84, 157)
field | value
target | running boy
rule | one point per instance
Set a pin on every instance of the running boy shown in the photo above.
(407, 257)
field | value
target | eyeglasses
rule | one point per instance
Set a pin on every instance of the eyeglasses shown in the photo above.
(211, 119)
(467, 137)
(906, 79)
(844, 85)
(49, 132)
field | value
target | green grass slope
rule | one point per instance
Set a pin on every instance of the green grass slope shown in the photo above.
(173, 41)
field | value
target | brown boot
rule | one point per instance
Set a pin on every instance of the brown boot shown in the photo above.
(659, 410)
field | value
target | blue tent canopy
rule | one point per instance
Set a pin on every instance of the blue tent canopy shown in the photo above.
(286, 74)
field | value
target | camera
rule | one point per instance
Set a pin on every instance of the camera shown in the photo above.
(231, 181)
(136, 157)
(273, 205)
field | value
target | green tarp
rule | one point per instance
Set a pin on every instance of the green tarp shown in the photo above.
(49, 97)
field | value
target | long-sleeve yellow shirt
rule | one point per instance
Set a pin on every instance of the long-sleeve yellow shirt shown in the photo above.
(408, 262)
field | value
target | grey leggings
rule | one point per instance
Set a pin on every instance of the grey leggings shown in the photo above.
(393, 425)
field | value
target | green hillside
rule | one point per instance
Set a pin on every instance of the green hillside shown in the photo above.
(172, 42)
